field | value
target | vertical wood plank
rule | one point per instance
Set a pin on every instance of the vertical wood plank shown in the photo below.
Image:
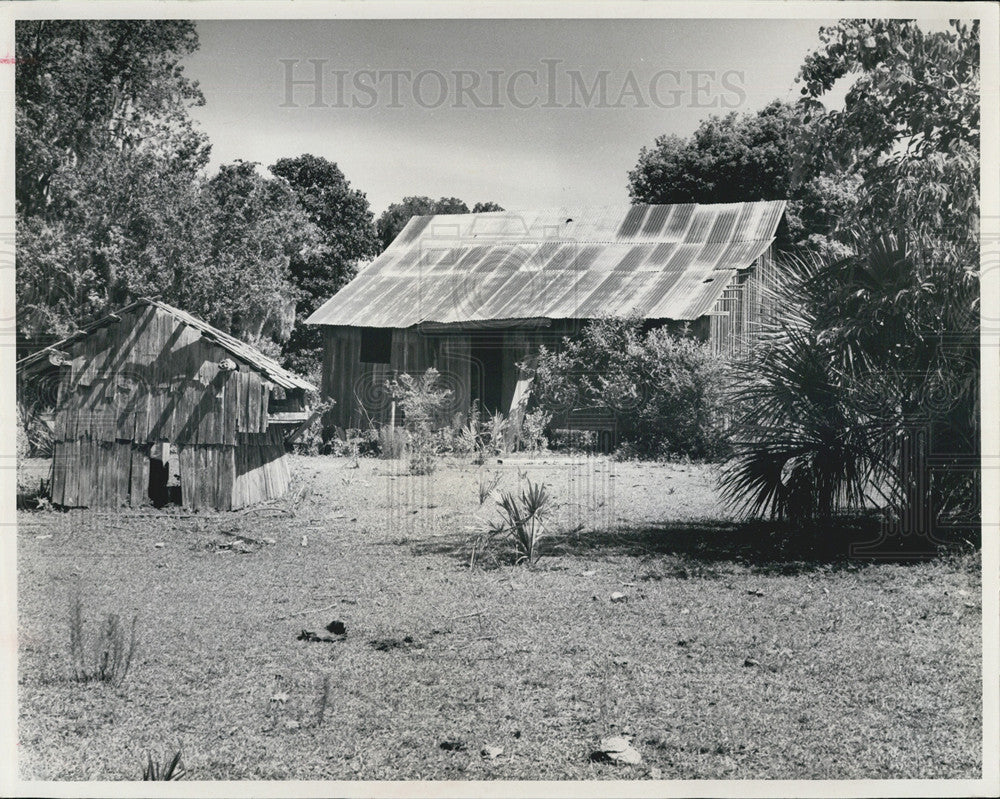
(58, 489)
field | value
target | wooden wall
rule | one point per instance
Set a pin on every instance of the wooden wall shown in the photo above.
(152, 378)
(147, 379)
(233, 477)
(745, 307)
(359, 388)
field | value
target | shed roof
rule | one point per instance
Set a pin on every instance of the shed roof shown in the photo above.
(654, 261)
(239, 349)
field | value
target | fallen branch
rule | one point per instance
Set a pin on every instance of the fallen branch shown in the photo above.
(277, 511)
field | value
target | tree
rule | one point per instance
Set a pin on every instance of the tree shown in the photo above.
(258, 228)
(88, 88)
(107, 167)
(112, 199)
(910, 123)
(346, 236)
(742, 158)
(890, 332)
(128, 226)
(394, 218)
(728, 159)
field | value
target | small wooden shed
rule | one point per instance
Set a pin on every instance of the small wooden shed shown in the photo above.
(150, 390)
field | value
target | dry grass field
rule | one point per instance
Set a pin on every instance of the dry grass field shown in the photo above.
(732, 654)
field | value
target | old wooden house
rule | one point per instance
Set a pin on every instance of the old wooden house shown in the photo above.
(475, 294)
(150, 396)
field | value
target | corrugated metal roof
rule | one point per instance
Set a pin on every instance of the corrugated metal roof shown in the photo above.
(656, 261)
(240, 349)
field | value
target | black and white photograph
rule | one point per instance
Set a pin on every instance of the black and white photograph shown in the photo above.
(546, 399)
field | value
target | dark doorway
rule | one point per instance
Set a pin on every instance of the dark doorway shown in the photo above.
(164, 476)
(487, 370)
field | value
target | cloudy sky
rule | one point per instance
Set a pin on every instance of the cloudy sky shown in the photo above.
(529, 113)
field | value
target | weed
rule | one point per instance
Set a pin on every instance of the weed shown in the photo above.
(487, 485)
(392, 442)
(106, 659)
(324, 700)
(170, 770)
(521, 519)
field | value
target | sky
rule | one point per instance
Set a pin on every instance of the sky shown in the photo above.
(545, 134)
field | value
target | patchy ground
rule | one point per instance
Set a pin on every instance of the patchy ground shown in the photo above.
(719, 663)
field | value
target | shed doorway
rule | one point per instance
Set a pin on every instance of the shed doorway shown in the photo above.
(164, 475)
(486, 352)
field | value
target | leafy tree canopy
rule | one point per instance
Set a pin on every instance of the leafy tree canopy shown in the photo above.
(394, 218)
(113, 201)
(742, 158)
(258, 228)
(85, 88)
(909, 127)
(346, 233)
(734, 158)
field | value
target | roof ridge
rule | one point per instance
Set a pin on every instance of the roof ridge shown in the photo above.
(241, 349)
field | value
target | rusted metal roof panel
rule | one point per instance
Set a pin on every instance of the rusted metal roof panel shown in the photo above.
(659, 261)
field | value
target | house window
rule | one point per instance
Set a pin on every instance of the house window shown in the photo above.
(376, 344)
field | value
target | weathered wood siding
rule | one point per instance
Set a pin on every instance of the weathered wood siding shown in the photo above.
(359, 387)
(744, 308)
(150, 378)
(341, 373)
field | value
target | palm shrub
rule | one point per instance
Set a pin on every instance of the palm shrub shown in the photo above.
(172, 769)
(497, 426)
(521, 519)
(869, 370)
(801, 447)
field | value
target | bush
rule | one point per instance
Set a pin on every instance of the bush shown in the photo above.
(665, 391)
(423, 402)
(574, 441)
(34, 435)
(532, 436)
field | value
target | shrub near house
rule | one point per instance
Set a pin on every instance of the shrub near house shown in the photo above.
(664, 390)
